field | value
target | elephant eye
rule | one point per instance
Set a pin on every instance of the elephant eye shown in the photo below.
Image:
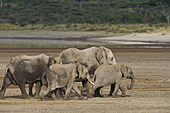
(112, 58)
(131, 72)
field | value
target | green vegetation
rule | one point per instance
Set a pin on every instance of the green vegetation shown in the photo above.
(98, 17)
(52, 12)
(110, 29)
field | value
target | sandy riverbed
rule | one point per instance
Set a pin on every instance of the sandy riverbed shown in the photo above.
(151, 92)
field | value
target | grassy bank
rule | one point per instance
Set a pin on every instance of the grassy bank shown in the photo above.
(107, 28)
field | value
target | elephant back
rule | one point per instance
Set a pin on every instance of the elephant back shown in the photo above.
(71, 55)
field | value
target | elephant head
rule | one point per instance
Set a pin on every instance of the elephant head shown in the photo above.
(82, 72)
(53, 60)
(105, 56)
(128, 73)
(58, 60)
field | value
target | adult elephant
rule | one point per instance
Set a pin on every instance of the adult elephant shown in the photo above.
(91, 58)
(26, 70)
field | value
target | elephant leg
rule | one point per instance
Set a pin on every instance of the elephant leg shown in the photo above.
(38, 89)
(69, 87)
(86, 87)
(6, 83)
(23, 91)
(97, 92)
(62, 92)
(123, 91)
(30, 89)
(53, 95)
(78, 92)
(58, 93)
(112, 89)
(117, 84)
(43, 94)
(92, 91)
(84, 83)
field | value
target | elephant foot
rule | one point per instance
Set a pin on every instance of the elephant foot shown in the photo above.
(123, 95)
(105, 96)
(59, 96)
(80, 88)
(31, 95)
(66, 99)
(37, 97)
(81, 98)
(72, 94)
(2, 97)
(97, 95)
(114, 96)
(54, 99)
(41, 97)
(109, 95)
(25, 97)
(90, 96)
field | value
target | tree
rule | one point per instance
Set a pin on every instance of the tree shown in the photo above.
(166, 12)
(142, 12)
(1, 3)
(81, 3)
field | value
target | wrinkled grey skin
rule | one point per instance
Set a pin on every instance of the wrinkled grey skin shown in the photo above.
(111, 75)
(91, 58)
(26, 70)
(64, 75)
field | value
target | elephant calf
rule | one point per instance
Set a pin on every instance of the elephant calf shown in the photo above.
(111, 75)
(64, 75)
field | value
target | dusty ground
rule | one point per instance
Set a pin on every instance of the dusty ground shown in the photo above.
(151, 92)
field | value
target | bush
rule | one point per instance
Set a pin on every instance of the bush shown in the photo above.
(144, 30)
(124, 30)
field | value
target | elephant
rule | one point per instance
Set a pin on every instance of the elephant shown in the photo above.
(111, 75)
(91, 58)
(64, 75)
(25, 69)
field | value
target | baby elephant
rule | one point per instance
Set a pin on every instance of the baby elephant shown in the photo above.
(112, 75)
(64, 75)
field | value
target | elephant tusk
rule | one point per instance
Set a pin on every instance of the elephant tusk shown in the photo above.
(91, 82)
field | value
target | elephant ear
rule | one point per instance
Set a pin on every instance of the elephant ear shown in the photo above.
(51, 61)
(79, 69)
(101, 55)
(124, 70)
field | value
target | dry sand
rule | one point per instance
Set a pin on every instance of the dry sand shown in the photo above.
(138, 38)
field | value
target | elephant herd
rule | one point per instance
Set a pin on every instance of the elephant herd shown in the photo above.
(95, 67)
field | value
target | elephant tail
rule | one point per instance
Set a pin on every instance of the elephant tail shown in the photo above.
(10, 73)
(11, 77)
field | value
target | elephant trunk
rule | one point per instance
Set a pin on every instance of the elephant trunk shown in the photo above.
(132, 83)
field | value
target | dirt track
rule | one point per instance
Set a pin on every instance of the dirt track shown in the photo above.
(151, 92)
